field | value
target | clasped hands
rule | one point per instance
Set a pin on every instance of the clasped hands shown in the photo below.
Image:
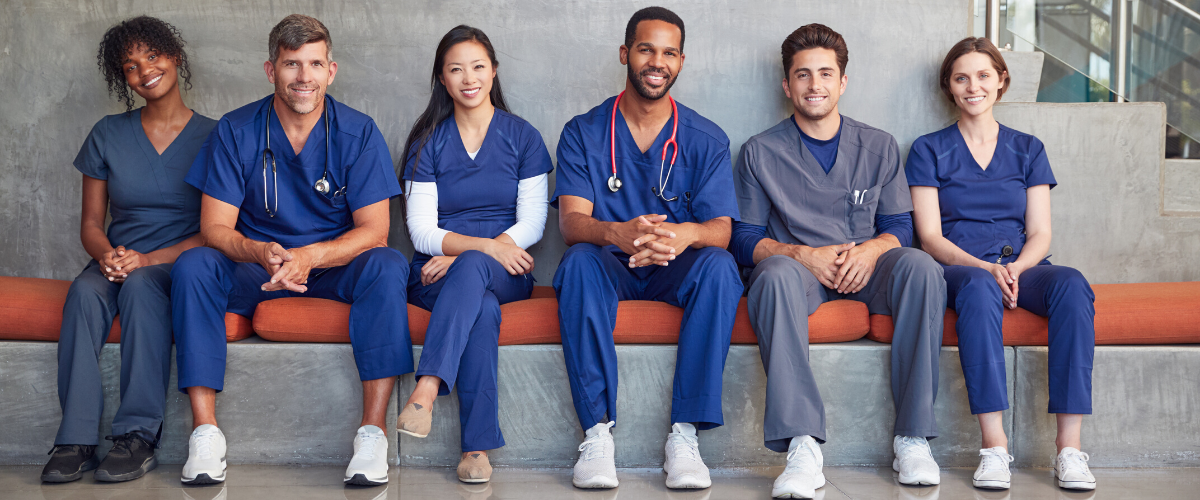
(1007, 276)
(514, 259)
(119, 262)
(289, 269)
(650, 240)
(846, 267)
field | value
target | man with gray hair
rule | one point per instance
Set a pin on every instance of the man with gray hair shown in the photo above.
(305, 216)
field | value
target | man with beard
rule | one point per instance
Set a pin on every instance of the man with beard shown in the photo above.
(825, 215)
(303, 216)
(646, 204)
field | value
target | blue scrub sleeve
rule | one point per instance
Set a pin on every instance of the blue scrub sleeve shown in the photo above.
(714, 196)
(753, 204)
(90, 160)
(216, 170)
(420, 166)
(898, 225)
(894, 197)
(921, 167)
(744, 240)
(1037, 170)
(535, 158)
(371, 178)
(573, 177)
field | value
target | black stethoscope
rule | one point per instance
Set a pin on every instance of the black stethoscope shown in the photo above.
(614, 183)
(321, 186)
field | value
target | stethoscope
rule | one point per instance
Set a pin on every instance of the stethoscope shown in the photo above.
(321, 186)
(614, 183)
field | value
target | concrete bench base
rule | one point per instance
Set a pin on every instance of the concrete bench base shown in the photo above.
(301, 403)
(282, 404)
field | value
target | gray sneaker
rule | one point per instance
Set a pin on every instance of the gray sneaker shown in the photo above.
(596, 467)
(802, 476)
(914, 461)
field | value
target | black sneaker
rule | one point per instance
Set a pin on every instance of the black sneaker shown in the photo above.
(68, 462)
(131, 457)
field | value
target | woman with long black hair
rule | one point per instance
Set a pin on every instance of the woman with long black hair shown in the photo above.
(133, 165)
(476, 200)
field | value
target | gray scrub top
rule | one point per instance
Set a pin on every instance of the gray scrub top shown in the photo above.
(151, 206)
(782, 187)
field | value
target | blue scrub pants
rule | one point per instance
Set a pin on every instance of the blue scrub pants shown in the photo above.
(1060, 293)
(463, 338)
(144, 303)
(206, 284)
(704, 282)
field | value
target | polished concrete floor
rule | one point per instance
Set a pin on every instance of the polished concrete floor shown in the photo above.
(302, 483)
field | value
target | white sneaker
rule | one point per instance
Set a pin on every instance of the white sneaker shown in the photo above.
(802, 476)
(369, 465)
(914, 461)
(597, 467)
(993, 470)
(206, 456)
(683, 466)
(1071, 470)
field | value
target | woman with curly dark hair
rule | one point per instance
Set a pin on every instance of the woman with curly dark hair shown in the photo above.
(133, 163)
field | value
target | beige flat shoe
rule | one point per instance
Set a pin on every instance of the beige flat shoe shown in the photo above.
(475, 468)
(415, 420)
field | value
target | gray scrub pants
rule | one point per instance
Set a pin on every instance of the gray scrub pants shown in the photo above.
(144, 303)
(906, 284)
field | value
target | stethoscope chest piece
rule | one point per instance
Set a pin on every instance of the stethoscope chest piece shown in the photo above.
(322, 186)
(614, 183)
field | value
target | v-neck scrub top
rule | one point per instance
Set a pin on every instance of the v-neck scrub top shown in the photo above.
(477, 195)
(782, 186)
(701, 178)
(982, 210)
(151, 205)
(230, 168)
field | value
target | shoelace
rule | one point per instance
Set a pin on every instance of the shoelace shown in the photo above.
(204, 445)
(800, 458)
(370, 441)
(907, 443)
(685, 446)
(993, 460)
(1074, 462)
(593, 447)
(121, 444)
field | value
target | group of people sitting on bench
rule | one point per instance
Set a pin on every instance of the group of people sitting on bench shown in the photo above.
(211, 216)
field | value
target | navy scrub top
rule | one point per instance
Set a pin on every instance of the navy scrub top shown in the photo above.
(478, 197)
(982, 209)
(151, 205)
(230, 168)
(702, 177)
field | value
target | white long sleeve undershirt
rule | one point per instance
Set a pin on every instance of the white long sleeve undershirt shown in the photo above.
(427, 237)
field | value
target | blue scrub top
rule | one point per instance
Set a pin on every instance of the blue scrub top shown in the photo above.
(230, 168)
(478, 197)
(702, 177)
(151, 205)
(982, 210)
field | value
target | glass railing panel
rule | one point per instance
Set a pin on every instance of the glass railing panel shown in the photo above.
(1164, 61)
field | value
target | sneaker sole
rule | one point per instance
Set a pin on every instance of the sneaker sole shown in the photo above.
(596, 483)
(147, 466)
(991, 485)
(691, 484)
(915, 480)
(413, 434)
(1076, 485)
(363, 480)
(205, 478)
(474, 481)
(792, 494)
(66, 478)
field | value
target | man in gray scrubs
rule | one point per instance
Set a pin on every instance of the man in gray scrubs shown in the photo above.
(825, 215)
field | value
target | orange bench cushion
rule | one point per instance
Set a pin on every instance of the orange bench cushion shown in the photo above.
(1126, 313)
(31, 309)
(535, 321)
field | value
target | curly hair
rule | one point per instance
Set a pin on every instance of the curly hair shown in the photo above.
(156, 34)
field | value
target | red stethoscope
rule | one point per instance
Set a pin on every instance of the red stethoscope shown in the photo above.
(613, 182)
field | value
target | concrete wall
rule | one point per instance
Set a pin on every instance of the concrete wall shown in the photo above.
(1108, 214)
(557, 60)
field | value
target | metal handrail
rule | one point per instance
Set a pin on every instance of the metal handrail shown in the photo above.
(1183, 8)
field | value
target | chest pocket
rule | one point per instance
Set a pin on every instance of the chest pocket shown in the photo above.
(860, 213)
